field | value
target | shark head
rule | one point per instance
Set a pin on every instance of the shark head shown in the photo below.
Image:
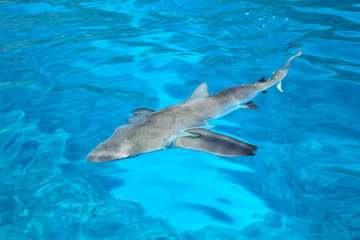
(128, 141)
(110, 150)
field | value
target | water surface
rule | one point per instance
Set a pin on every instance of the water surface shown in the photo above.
(71, 72)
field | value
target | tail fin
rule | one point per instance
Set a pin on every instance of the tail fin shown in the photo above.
(279, 74)
(297, 55)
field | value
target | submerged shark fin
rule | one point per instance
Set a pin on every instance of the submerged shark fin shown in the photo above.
(200, 92)
(142, 111)
(214, 143)
(139, 115)
(279, 87)
(135, 119)
(250, 105)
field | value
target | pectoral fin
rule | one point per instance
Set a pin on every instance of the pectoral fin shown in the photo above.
(139, 115)
(214, 143)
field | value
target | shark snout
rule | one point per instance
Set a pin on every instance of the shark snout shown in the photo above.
(103, 156)
(97, 158)
(111, 149)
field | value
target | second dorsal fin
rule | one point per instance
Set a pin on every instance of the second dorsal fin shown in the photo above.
(200, 92)
(250, 105)
(262, 80)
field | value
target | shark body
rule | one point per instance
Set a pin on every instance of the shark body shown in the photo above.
(184, 125)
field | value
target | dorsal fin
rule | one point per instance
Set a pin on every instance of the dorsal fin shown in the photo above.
(200, 92)
(142, 111)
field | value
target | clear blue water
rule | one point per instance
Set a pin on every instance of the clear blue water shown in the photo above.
(72, 71)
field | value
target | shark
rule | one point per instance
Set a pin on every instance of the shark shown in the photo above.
(185, 124)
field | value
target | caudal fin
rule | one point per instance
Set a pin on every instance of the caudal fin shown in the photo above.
(277, 75)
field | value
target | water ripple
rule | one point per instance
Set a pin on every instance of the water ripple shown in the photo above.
(71, 72)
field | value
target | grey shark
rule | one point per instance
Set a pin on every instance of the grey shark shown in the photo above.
(184, 125)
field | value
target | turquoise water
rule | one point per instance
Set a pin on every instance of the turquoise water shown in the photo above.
(72, 71)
